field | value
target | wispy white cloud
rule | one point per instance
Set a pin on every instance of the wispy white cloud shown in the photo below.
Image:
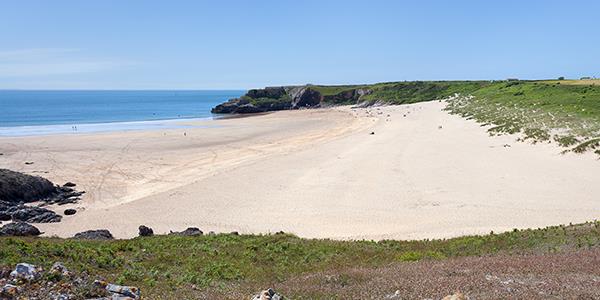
(52, 62)
(33, 54)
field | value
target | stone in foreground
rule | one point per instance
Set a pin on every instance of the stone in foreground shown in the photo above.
(27, 272)
(120, 292)
(190, 231)
(145, 231)
(268, 295)
(100, 234)
(8, 291)
(33, 214)
(70, 212)
(58, 269)
(19, 229)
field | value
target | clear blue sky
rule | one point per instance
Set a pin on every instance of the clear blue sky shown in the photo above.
(241, 44)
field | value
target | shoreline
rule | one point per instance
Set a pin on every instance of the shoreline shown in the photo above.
(102, 127)
(438, 176)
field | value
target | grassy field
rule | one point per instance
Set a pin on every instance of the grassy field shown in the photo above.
(169, 266)
(573, 81)
(542, 111)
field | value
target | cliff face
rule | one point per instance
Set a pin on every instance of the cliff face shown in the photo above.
(282, 98)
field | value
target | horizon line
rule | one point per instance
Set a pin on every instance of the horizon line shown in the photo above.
(271, 85)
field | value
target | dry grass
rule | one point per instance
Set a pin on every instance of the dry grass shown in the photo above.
(573, 81)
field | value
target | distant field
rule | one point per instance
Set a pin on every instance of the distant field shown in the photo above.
(573, 81)
(178, 267)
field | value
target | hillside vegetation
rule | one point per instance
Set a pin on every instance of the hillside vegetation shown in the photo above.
(542, 111)
(169, 266)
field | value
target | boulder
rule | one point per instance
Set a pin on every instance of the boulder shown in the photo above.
(269, 294)
(120, 292)
(58, 269)
(17, 187)
(27, 272)
(4, 216)
(8, 291)
(123, 291)
(145, 231)
(4, 205)
(69, 212)
(190, 231)
(19, 229)
(100, 234)
(34, 214)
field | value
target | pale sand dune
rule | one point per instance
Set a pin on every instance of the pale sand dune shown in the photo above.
(317, 173)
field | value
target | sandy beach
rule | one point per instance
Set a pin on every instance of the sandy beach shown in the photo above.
(315, 173)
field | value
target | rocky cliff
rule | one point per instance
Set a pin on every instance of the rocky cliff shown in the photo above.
(290, 97)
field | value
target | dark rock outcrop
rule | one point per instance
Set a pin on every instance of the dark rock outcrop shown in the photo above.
(70, 211)
(33, 214)
(145, 231)
(230, 106)
(282, 98)
(190, 231)
(5, 216)
(100, 234)
(19, 229)
(248, 109)
(4, 205)
(69, 184)
(17, 187)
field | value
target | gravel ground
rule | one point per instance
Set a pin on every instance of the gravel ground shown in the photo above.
(570, 275)
(566, 275)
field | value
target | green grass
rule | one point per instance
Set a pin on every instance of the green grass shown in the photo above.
(328, 90)
(268, 101)
(419, 91)
(541, 110)
(166, 265)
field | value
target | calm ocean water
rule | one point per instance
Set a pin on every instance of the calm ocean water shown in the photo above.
(46, 112)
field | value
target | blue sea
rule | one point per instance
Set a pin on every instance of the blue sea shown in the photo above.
(54, 112)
